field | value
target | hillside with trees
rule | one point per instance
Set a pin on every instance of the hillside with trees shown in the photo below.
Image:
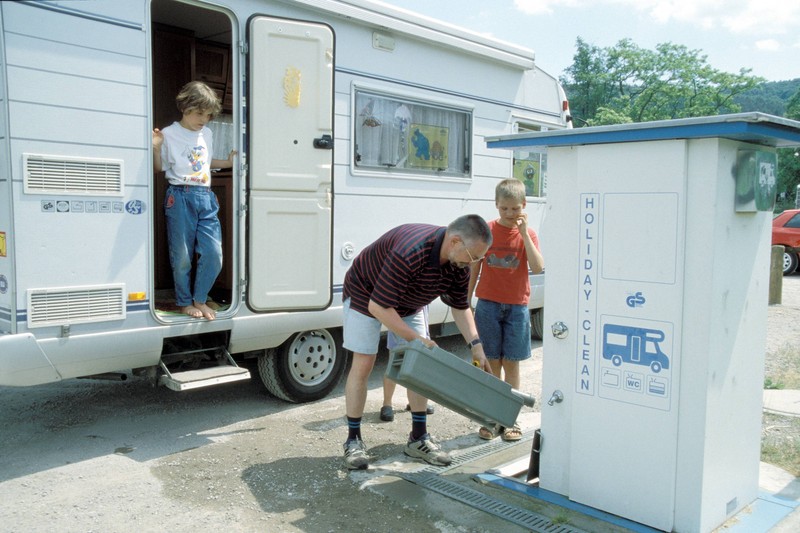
(625, 83)
(770, 97)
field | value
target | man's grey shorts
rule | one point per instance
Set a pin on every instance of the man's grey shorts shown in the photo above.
(362, 333)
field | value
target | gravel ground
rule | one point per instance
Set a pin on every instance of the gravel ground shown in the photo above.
(783, 335)
(88, 456)
(780, 435)
(101, 456)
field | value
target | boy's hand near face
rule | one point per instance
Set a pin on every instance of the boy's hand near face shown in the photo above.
(522, 223)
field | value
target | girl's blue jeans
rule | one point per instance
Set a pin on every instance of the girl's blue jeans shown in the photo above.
(193, 227)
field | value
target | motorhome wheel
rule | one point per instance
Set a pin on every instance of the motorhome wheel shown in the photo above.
(306, 367)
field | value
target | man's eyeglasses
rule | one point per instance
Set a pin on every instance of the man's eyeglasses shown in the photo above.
(471, 259)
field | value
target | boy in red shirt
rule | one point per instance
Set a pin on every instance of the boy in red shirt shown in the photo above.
(501, 314)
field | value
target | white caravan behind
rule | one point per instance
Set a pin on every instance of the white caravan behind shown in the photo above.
(350, 117)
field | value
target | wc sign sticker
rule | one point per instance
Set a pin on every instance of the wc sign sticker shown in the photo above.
(636, 361)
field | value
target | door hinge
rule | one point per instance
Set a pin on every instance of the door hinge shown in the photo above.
(243, 48)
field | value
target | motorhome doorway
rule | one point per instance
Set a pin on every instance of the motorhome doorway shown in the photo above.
(190, 42)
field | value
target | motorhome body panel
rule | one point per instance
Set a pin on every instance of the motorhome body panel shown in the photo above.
(7, 304)
(76, 170)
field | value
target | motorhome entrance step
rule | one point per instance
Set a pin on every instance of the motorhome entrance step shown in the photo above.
(203, 377)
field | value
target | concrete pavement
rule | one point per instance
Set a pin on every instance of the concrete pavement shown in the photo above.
(776, 510)
(773, 481)
(782, 402)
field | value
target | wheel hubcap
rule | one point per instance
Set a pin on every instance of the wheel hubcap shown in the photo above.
(312, 355)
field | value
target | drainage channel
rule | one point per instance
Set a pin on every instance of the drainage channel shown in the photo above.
(461, 457)
(482, 502)
(429, 478)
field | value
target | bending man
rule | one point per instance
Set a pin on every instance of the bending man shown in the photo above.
(389, 284)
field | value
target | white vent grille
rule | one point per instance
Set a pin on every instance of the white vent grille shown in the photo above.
(72, 175)
(75, 305)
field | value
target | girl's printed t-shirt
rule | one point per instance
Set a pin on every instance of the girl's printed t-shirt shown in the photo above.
(186, 155)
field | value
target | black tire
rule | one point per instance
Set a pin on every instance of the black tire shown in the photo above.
(537, 324)
(306, 368)
(789, 262)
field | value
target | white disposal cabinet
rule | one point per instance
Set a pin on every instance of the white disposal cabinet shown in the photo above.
(657, 247)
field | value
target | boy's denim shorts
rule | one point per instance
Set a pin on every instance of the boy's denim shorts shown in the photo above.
(505, 330)
(362, 333)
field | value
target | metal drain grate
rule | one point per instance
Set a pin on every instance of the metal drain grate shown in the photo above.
(482, 502)
(461, 457)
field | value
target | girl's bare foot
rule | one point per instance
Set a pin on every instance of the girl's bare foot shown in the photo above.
(205, 311)
(192, 311)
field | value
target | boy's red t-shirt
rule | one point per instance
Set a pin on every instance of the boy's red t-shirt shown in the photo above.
(504, 274)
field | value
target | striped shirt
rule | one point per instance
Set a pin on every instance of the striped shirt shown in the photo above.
(401, 270)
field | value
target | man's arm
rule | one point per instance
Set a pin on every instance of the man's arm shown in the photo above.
(465, 323)
(389, 317)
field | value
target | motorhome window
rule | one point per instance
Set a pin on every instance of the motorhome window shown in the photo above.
(400, 134)
(530, 167)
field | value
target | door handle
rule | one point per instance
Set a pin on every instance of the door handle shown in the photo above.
(324, 143)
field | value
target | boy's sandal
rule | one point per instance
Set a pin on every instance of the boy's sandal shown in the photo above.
(387, 413)
(486, 433)
(512, 434)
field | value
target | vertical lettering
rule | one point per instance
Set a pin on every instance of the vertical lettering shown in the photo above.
(587, 295)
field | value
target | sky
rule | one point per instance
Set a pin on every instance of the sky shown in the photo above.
(761, 35)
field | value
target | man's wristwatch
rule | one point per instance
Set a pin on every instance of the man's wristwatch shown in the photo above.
(474, 342)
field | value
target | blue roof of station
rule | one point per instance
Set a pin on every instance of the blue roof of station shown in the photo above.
(757, 128)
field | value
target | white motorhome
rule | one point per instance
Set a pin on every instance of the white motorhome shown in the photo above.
(349, 116)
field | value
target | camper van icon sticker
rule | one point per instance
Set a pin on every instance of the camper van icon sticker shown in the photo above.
(635, 346)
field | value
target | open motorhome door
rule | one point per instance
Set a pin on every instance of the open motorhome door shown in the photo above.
(290, 211)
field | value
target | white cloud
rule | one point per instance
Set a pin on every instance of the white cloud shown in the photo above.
(768, 45)
(752, 17)
(764, 17)
(538, 7)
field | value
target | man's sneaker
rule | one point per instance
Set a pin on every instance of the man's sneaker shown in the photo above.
(355, 454)
(427, 450)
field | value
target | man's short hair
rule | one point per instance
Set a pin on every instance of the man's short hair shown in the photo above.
(471, 228)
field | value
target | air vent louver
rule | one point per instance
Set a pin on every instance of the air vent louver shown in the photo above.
(72, 175)
(75, 305)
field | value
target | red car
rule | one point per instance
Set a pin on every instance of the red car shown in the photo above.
(786, 232)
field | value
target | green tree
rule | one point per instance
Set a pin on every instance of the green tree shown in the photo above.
(588, 86)
(789, 160)
(627, 83)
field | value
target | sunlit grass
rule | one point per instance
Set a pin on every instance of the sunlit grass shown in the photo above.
(780, 442)
(787, 375)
